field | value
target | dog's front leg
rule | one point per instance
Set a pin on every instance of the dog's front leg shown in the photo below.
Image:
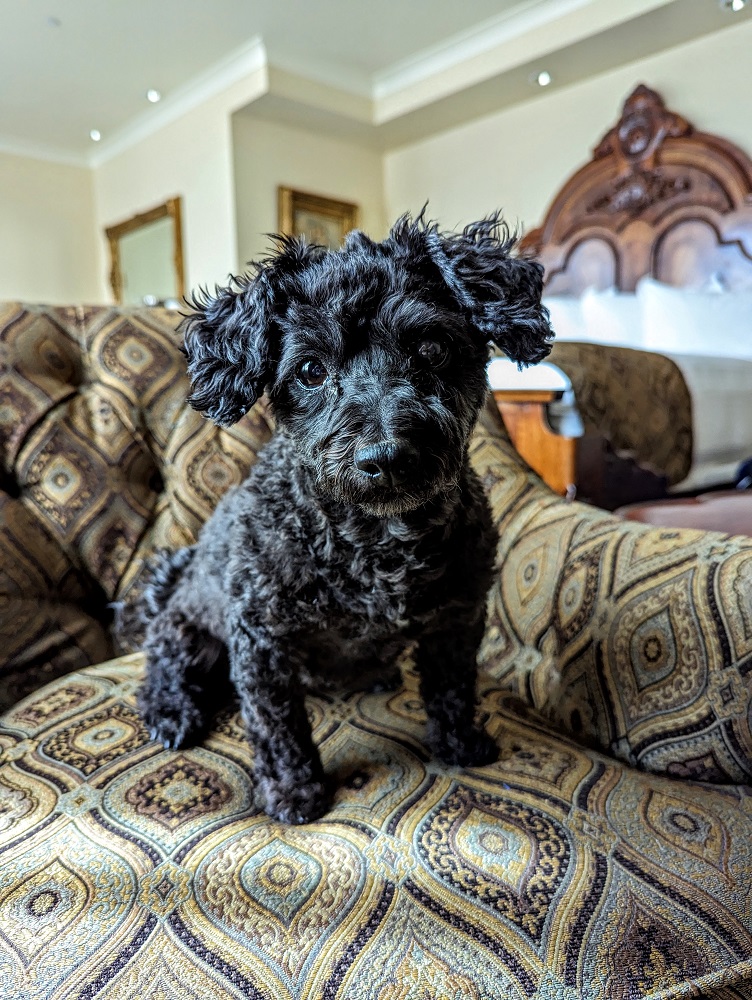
(446, 664)
(287, 766)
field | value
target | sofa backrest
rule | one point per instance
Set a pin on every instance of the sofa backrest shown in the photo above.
(101, 460)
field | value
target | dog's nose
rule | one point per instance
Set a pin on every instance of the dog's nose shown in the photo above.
(389, 462)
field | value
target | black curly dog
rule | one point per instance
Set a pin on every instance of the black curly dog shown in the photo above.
(361, 528)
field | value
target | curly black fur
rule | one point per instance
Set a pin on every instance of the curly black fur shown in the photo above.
(362, 528)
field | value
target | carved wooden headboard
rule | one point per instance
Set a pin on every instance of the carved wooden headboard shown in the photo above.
(658, 198)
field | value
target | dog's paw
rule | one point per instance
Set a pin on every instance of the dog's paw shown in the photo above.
(295, 806)
(173, 726)
(474, 748)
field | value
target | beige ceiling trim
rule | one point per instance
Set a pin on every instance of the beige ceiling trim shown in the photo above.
(439, 89)
(518, 38)
(290, 86)
(244, 64)
(38, 151)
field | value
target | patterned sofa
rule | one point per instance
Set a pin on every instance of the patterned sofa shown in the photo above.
(608, 853)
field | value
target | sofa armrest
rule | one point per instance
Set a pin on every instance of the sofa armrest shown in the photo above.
(553, 456)
(633, 638)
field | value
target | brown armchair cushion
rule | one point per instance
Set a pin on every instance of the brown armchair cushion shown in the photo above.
(729, 511)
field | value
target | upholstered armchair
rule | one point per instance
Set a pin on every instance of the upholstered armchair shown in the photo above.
(607, 854)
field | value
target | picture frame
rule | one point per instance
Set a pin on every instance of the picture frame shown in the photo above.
(145, 246)
(324, 221)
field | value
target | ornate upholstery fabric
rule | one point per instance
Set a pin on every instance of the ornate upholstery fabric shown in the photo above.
(616, 390)
(633, 638)
(127, 871)
(104, 463)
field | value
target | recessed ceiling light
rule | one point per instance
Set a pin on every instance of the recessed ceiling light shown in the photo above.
(153, 96)
(95, 135)
(543, 78)
(734, 5)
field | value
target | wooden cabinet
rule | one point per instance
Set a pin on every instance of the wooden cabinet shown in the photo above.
(551, 455)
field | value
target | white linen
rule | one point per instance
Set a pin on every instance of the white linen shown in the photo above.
(565, 314)
(684, 321)
(598, 317)
(613, 317)
(658, 317)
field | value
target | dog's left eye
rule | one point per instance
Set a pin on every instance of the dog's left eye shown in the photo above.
(312, 374)
(431, 351)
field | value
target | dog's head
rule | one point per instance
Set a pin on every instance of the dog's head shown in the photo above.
(373, 355)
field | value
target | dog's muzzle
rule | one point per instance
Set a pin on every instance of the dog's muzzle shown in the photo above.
(390, 464)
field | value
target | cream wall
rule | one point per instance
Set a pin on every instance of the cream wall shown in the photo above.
(52, 217)
(191, 157)
(227, 164)
(48, 244)
(517, 159)
(268, 154)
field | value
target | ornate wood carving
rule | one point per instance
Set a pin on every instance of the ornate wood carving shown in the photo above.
(637, 191)
(658, 197)
(634, 144)
(644, 124)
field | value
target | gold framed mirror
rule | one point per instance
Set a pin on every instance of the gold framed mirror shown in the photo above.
(146, 253)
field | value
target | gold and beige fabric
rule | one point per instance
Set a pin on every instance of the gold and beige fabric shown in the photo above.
(607, 854)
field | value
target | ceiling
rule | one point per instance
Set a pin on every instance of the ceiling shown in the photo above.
(69, 66)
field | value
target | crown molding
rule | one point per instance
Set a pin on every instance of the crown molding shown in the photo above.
(464, 46)
(241, 64)
(290, 86)
(39, 151)
(356, 102)
(495, 47)
(356, 83)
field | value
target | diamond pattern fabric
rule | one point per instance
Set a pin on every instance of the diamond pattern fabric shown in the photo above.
(564, 870)
(556, 872)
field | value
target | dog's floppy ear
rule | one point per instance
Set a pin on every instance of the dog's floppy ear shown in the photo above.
(226, 343)
(500, 292)
(228, 338)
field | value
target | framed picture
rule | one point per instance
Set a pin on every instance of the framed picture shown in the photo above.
(321, 220)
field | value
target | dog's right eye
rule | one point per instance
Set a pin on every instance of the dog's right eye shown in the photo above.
(312, 374)
(432, 351)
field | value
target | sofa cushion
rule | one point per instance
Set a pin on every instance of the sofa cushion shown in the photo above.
(105, 463)
(133, 871)
(633, 638)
